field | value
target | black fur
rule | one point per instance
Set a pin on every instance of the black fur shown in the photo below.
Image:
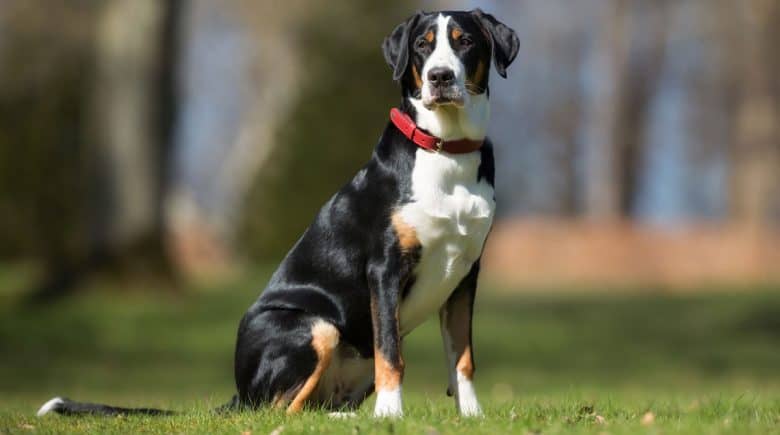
(504, 41)
(396, 46)
(348, 268)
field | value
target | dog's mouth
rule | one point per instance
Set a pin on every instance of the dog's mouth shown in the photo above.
(451, 95)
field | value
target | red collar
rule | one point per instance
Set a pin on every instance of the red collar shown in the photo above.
(431, 143)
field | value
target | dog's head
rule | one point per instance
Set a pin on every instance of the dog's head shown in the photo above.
(443, 58)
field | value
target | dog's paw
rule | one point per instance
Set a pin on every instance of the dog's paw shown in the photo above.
(467, 399)
(470, 408)
(388, 404)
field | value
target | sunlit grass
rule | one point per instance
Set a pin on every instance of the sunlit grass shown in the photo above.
(545, 363)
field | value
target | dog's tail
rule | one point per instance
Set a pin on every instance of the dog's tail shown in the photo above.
(64, 406)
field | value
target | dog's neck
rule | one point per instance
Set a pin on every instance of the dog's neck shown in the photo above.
(453, 123)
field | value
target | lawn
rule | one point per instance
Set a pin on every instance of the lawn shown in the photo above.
(556, 362)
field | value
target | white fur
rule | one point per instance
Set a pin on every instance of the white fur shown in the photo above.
(443, 57)
(388, 403)
(49, 406)
(451, 213)
(466, 398)
(452, 123)
(466, 120)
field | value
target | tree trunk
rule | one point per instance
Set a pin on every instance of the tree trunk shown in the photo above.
(131, 118)
(607, 64)
(756, 157)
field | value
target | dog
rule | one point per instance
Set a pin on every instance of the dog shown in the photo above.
(402, 240)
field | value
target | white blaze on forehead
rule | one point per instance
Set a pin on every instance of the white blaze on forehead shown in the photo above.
(443, 55)
(470, 119)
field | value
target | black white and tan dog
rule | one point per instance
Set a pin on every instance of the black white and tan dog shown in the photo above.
(401, 241)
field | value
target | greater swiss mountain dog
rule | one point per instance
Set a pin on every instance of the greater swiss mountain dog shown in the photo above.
(401, 241)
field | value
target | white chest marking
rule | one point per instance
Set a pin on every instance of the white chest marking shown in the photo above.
(451, 213)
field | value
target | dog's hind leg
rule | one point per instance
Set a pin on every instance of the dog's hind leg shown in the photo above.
(324, 339)
(280, 358)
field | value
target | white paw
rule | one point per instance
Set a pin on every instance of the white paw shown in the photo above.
(388, 404)
(470, 408)
(467, 399)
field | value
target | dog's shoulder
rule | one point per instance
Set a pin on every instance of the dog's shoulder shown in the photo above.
(346, 232)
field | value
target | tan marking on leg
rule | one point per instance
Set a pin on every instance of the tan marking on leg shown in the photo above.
(407, 235)
(281, 400)
(465, 364)
(325, 338)
(455, 324)
(429, 36)
(456, 32)
(386, 375)
(416, 74)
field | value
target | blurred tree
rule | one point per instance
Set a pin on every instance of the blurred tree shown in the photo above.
(344, 93)
(132, 110)
(756, 148)
(614, 109)
(86, 105)
(627, 59)
(240, 79)
(44, 64)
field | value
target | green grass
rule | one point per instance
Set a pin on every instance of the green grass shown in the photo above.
(547, 363)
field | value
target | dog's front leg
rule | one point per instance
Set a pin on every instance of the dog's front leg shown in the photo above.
(388, 362)
(455, 320)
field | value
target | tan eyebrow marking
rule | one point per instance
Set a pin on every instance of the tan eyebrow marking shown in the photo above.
(429, 36)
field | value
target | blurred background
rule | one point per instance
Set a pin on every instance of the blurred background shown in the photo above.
(158, 158)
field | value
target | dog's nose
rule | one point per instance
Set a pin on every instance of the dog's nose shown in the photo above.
(441, 77)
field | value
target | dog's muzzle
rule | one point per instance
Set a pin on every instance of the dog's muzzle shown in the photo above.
(443, 88)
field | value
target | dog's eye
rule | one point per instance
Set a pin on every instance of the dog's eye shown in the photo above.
(421, 43)
(466, 41)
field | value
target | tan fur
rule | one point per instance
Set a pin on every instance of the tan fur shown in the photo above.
(325, 338)
(479, 73)
(417, 80)
(456, 33)
(456, 323)
(465, 363)
(281, 400)
(429, 36)
(407, 235)
(386, 375)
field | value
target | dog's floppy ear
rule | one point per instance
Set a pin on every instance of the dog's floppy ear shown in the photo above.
(396, 46)
(503, 40)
